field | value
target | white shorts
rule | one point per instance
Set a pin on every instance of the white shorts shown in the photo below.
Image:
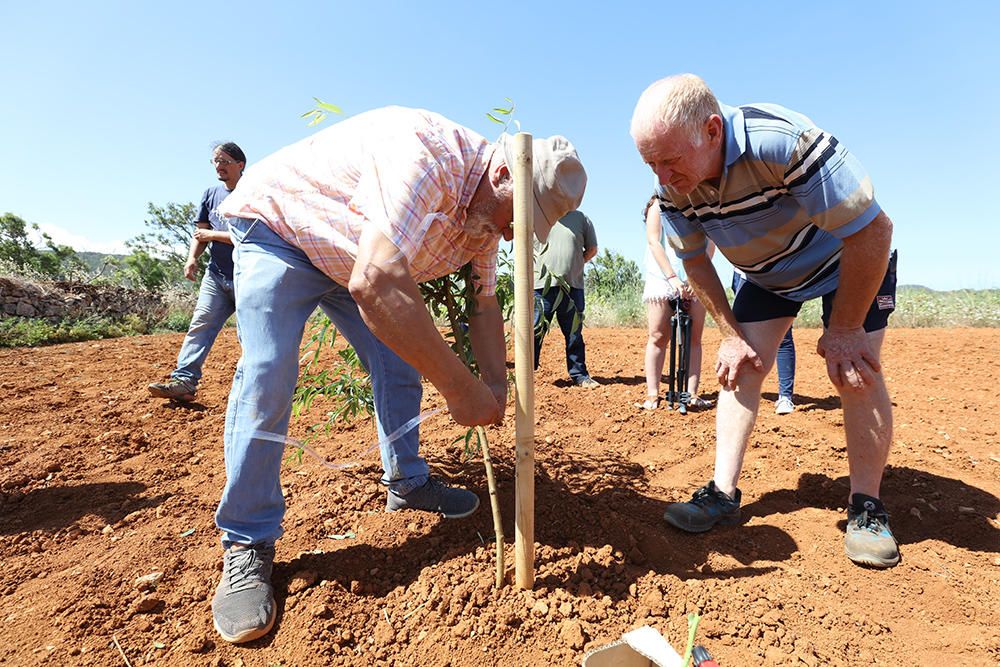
(657, 289)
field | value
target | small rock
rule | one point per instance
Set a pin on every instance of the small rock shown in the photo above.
(966, 510)
(915, 512)
(384, 634)
(146, 604)
(772, 617)
(198, 643)
(148, 582)
(566, 608)
(107, 530)
(571, 633)
(540, 608)
(302, 580)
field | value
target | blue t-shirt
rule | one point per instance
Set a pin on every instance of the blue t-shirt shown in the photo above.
(220, 254)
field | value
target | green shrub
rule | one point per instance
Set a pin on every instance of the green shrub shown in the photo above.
(30, 331)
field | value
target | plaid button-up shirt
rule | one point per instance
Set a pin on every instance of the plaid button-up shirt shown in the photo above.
(409, 172)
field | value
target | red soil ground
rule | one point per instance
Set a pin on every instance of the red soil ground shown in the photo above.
(100, 485)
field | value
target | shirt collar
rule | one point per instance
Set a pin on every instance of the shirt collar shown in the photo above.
(480, 164)
(736, 134)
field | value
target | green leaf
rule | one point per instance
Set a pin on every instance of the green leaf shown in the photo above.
(159, 645)
(332, 108)
(495, 119)
(187, 533)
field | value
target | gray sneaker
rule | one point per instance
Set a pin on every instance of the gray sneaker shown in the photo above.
(177, 390)
(869, 540)
(243, 607)
(587, 382)
(435, 496)
(707, 507)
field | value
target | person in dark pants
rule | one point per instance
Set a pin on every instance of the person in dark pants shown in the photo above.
(216, 297)
(559, 289)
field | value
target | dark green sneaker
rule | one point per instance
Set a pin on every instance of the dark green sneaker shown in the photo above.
(707, 507)
(243, 607)
(869, 540)
(435, 496)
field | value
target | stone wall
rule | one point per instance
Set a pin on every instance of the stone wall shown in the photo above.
(63, 300)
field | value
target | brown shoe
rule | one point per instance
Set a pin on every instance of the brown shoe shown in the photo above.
(175, 390)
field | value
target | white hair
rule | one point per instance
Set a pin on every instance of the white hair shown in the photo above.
(683, 100)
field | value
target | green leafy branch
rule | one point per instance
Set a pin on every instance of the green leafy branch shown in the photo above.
(319, 113)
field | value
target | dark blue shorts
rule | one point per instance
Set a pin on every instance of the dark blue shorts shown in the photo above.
(756, 304)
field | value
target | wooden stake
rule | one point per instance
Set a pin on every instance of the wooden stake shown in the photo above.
(491, 483)
(524, 364)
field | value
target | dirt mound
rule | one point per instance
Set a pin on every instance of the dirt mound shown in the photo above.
(107, 500)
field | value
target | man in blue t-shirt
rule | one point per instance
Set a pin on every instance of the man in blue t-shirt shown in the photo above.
(216, 298)
(788, 205)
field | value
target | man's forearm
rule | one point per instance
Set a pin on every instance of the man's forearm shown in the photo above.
(196, 249)
(706, 285)
(862, 267)
(391, 305)
(486, 336)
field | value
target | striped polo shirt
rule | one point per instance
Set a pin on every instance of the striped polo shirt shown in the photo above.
(788, 194)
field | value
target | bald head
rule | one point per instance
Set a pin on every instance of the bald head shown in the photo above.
(683, 100)
(678, 129)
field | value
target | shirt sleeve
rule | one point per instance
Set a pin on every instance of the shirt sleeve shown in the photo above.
(589, 234)
(205, 209)
(684, 236)
(484, 272)
(830, 184)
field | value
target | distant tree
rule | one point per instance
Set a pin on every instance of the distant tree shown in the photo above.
(612, 274)
(157, 257)
(54, 261)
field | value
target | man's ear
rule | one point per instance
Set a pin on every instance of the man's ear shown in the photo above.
(499, 174)
(714, 127)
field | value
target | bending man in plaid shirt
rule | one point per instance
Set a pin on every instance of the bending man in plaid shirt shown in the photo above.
(351, 219)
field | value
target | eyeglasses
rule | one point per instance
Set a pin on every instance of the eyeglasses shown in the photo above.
(222, 162)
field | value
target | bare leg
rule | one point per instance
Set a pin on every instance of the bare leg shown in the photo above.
(697, 312)
(658, 314)
(868, 427)
(737, 411)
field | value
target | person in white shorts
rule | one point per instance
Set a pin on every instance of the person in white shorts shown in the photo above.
(663, 285)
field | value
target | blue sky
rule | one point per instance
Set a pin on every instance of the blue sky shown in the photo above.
(110, 105)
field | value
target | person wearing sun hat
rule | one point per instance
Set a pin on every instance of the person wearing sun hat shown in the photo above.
(351, 219)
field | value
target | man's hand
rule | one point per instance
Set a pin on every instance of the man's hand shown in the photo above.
(499, 391)
(190, 269)
(203, 235)
(734, 352)
(850, 361)
(477, 406)
(686, 292)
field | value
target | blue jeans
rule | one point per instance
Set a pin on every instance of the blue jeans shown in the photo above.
(786, 352)
(277, 289)
(786, 365)
(567, 308)
(216, 302)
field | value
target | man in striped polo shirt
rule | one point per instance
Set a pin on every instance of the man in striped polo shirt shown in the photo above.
(789, 206)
